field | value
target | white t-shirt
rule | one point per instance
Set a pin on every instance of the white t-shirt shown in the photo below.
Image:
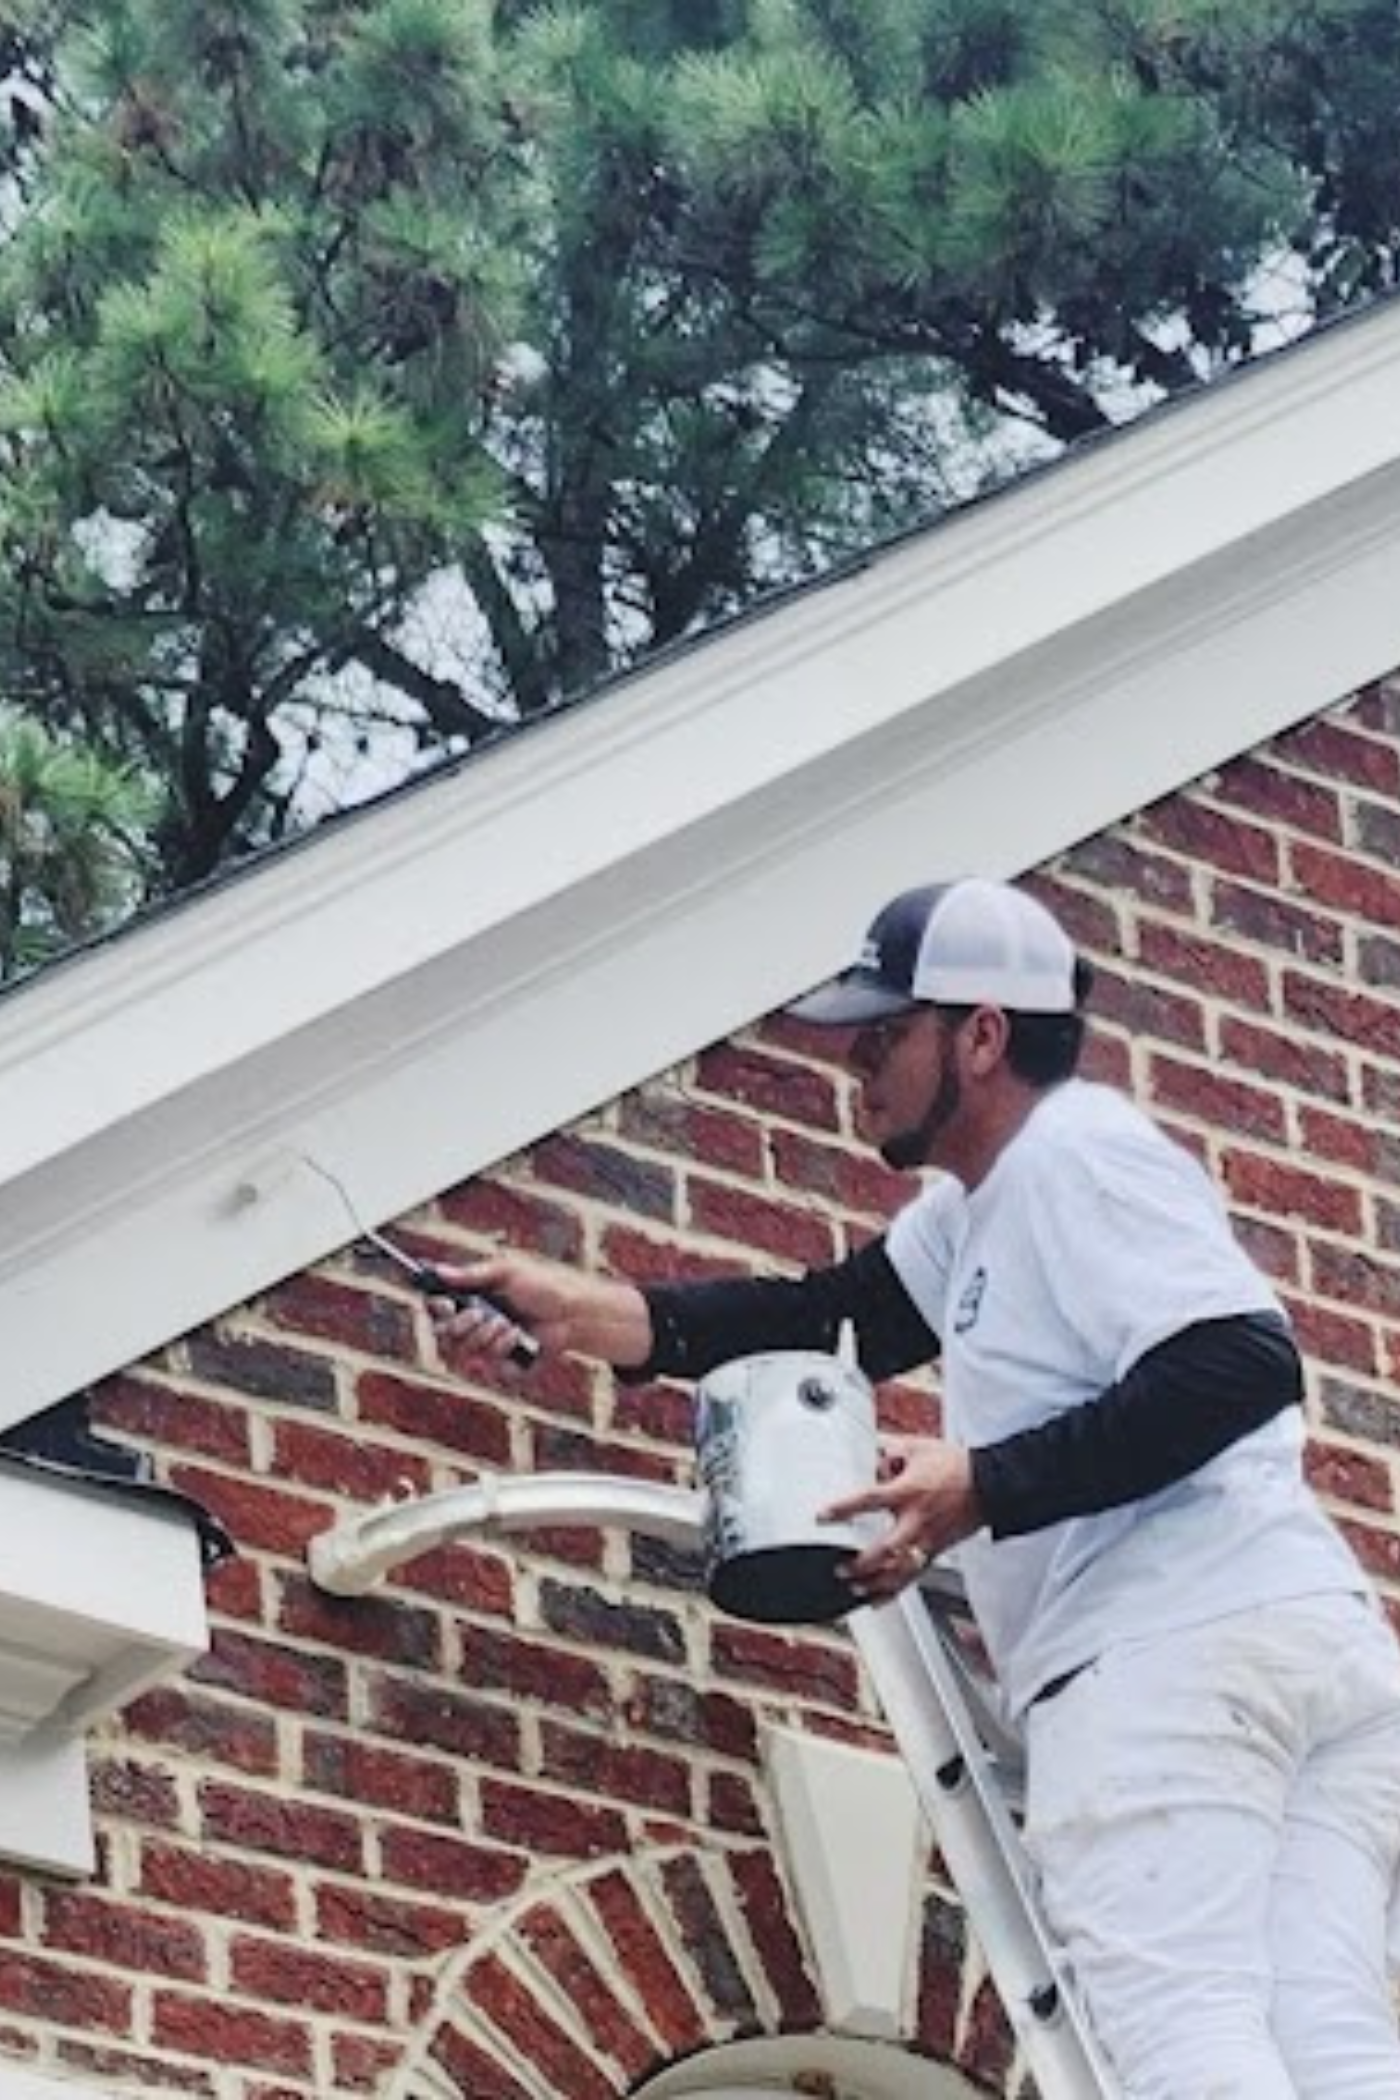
(1093, 1238)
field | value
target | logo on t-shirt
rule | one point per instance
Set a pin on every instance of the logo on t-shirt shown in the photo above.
(970, 1303)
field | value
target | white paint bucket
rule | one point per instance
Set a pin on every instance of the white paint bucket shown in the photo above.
(779, 1437)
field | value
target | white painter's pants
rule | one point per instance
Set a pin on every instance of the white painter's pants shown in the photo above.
(1215, 1815)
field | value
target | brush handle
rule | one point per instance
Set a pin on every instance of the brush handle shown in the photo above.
(524, 1350)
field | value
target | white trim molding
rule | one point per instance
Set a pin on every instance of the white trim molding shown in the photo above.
(419, 990)
(101, 1596)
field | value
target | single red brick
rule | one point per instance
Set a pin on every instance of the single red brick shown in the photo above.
(589, 1166)
(1378, 1551)
(369, 1321)
(1341, 883)
(62, 1996)
(385, 1627)
(494, 1660)
(1271, 921)
(1262, 1183)
(358, 1771)
(942, 1961)
(1343, 1015)
(757, 1222)
(581, 1614)
(1220, 972)
(283, 1975)
(478, 1580)
(275, 1675)
(856, 1181)
(362, 2065)
(732, 1805)
(200, 1883)
(768, 1917)
(1266, 1053)
(1359, 1146)
(209, 1730)
(346, 1463)
(474, 2069)
(235, 1590)
(558, 1825)
(624, 1772)
(797, 1668)
(230, 2034)
(671, 1123)
(679, 1711)
(1125, 868)
(451, 1867)
(1333, 1337)
(1257, 784)
(1331, 746)
(644, 1259)
(1356, 1280)
(792, 1092)
(438, 1717)
(1350, 1476)
(129, 1792)
(491, 1210)
(709, 1947)
(393, 1927)
(1146, 1010)
(987, 2045)
(1276, 1252)
(645, 1964)
(592, 1995)
(123, 1935)
(269, 1370)
(1220, 838)
(1204, 1093)
(444, 1416)
(1107, 1058)
(260, 1518)
(235, 1815)
(158, 1414)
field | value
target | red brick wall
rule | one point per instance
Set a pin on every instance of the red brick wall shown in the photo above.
(508, 1812)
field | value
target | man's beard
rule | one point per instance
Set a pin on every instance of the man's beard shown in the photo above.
(910, 1148)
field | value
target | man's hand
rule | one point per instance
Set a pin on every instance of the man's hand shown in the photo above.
(562, 1308)
(926, 1487)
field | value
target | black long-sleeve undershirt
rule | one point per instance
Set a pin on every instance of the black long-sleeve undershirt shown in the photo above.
(1179, 1406)
(696, 1326)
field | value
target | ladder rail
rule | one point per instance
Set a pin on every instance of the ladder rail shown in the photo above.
(917, 1684)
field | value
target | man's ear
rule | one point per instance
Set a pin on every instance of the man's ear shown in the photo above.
(986, 1036)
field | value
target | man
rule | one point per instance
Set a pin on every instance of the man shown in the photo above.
(1210, 1695)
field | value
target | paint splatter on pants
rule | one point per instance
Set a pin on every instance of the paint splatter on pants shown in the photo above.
(1215, 1817)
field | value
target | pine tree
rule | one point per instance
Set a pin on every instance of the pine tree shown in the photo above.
(376, 374)
(251, 309)
(72, 857)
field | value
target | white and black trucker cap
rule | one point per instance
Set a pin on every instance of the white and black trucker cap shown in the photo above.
(967, 943)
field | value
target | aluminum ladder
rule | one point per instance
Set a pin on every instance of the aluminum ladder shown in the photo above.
(963, 1765)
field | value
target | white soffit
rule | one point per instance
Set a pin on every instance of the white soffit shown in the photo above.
(421, 989)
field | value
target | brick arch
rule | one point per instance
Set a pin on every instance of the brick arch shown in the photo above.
(590, 1984)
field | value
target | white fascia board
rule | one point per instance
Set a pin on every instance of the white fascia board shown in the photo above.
(415, 993)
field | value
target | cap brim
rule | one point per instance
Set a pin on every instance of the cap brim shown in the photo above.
(849, 1002)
